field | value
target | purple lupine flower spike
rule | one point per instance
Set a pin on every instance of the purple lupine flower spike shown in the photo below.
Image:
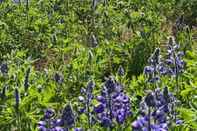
(86, 101)
(68, 116)
(121, 71)
(4, 68)
(17, 98)
(151, 70)
(26, 81)
(150, 100)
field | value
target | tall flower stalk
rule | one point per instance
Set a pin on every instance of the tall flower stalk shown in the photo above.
(17, 102)
(151, 70)
(158, 106)
(4, 68)
(174, 61)
(68, 117)
(169, 65)
(86, 101)
(17, 99)
(26, 81)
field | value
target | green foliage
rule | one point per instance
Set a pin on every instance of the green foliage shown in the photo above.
(84, 43)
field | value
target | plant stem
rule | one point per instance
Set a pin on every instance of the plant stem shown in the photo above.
(18, 121)
(176, 74)
(88, 111)
(149, 119)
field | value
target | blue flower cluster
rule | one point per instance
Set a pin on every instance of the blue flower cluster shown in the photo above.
(58, 78)
(151, 70)
(156, 111)
(114, 104)
(172, 64)
(86, 102)
(4, 68)
(49, 123)
(17, 98)
(158, 107)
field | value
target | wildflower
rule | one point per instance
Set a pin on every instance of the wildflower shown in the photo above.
(26, 81)
(162, 69)
(68, 116)
(86, 100)
(149, 70)
(59, 122)
(58, 78)
(17, 98)
(155, 108)
(174, 58)
(90, 87)
(4, 68)
(78, 129)
(42, 128)
(152, 69)
(113, 104)
(49, 113)
(106, 122)
(139, 123)
(99, 108)
(81, 99)
(101, 99)
(49, 123)
(150, 100)
(179, 122)
(154, 79)
(57, 128)
(121, 71)
(155, 57)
